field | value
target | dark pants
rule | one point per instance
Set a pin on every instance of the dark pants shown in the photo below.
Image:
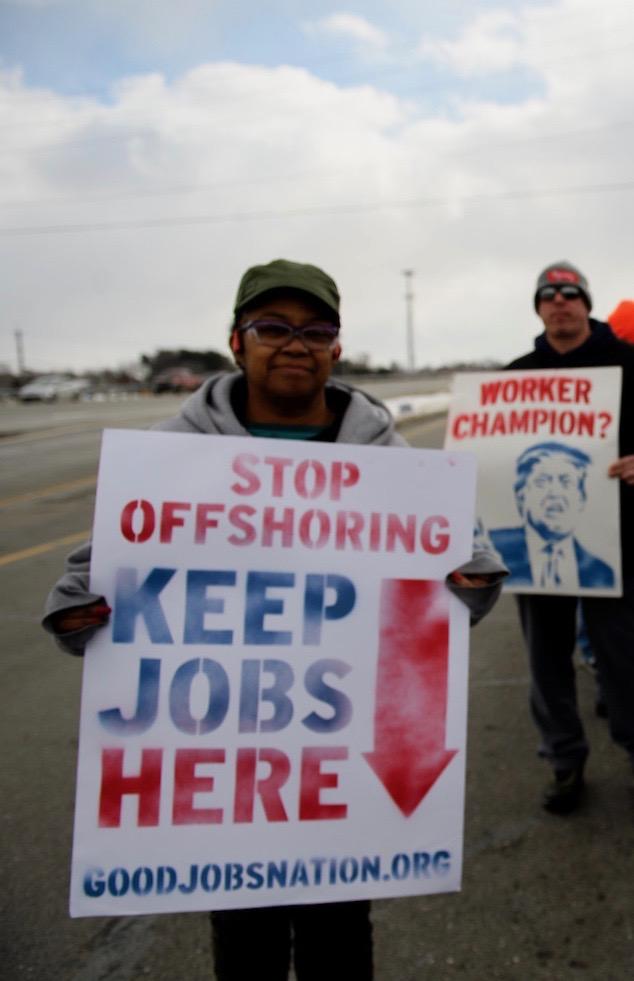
(329, 941)
(549, 627)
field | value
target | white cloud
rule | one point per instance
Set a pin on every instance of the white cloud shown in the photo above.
(490, 43)
(231, 165)
(351, 26)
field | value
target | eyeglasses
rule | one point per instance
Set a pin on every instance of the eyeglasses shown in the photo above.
(567, 290)
(275, 333)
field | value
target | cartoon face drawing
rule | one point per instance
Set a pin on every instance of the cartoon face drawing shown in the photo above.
(553, 496)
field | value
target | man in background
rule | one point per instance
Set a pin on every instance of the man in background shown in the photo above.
(573, 339)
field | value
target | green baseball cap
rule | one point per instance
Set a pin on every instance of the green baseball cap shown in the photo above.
(283, 274)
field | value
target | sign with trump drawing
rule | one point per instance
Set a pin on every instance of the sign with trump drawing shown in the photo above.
(276, 712)
(544, 441)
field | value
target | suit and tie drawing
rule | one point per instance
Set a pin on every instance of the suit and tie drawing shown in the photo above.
(550, 494)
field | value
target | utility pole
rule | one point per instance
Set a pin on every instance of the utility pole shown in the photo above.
(409, 318)
(19, 348)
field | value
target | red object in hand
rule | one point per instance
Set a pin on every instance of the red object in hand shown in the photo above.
(81, 617)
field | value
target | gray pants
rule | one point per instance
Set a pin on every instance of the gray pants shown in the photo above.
(549, 625)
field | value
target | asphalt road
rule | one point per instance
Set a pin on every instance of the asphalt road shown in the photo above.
(543, 897)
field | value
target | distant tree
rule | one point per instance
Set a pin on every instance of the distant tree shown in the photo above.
(8, 381)
(197, 361)
(111, 376)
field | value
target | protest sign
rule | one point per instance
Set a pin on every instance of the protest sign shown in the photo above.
(544, 441)
(276, 712)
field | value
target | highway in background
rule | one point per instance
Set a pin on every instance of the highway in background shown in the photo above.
(544, 898)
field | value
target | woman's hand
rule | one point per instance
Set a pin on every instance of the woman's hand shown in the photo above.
(81, 617)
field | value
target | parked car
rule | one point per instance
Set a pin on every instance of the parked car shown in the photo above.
(49, 388)
(180, 379)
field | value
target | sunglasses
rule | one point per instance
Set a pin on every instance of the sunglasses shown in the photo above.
(567, 290)
(275, 333)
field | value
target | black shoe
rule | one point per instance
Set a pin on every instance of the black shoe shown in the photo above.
(565, 792)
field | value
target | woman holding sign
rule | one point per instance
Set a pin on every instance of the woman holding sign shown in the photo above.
(285, 340)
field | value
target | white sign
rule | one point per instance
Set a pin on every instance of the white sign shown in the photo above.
(276, 712)
(544, 442)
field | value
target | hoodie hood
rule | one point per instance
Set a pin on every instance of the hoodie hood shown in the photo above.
(366, 421)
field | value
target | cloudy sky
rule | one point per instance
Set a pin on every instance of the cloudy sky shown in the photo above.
(154, 149)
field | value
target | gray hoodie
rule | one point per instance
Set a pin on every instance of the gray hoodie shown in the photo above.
(366, 421)
(210, 411)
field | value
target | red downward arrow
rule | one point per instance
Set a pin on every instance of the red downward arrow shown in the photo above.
(411, 690)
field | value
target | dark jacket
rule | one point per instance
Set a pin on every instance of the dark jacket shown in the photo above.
(511, 545)
(601, 350)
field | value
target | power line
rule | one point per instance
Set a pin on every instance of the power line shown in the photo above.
(360, 208)
(175, 189)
